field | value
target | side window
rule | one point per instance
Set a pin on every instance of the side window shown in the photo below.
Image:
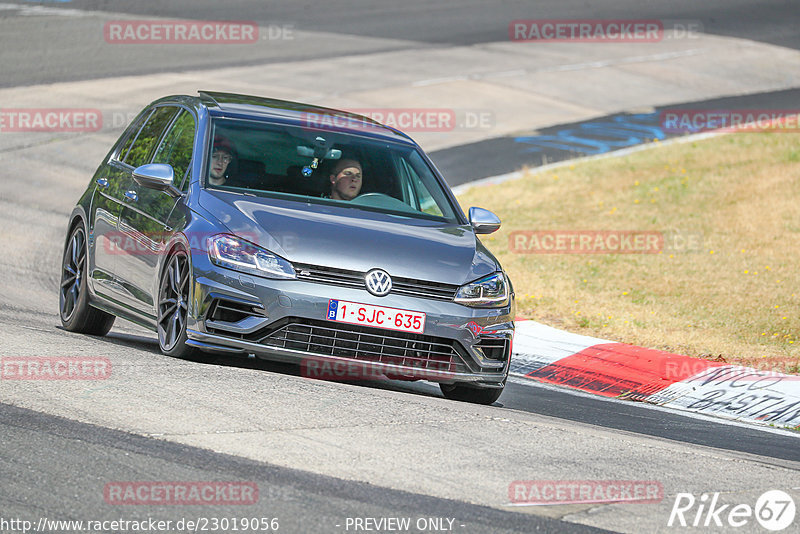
(427, 204)
(176, 148)
(134, 130)
(145, 143)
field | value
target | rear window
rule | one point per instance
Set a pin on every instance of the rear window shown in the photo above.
(145, 142)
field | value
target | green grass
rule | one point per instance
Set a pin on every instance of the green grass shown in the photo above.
(734, 297)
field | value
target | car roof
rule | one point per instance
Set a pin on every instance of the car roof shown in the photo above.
(295, 113)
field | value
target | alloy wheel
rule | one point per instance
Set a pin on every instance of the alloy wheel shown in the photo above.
(173, 299)
(72, 272)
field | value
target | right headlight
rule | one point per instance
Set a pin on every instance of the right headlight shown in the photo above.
(488, 292)
(234, 253)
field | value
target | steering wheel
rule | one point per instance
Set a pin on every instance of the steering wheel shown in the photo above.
(376, 196)
(381, 200)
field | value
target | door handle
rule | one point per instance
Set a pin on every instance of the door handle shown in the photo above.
(131, 196)
(102, 182)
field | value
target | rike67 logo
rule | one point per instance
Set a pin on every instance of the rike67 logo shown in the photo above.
(774, 510)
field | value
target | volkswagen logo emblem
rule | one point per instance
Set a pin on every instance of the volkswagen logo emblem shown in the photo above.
(378, 281)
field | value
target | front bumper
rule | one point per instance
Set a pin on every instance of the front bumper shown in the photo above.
(285, 320)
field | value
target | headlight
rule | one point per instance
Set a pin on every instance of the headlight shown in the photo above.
(233, 253)
(488, 292)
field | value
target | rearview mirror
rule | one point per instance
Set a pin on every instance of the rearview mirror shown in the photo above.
(308, 152)
(483, 221)
(158, 176)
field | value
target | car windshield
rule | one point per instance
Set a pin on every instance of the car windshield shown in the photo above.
(313, 165)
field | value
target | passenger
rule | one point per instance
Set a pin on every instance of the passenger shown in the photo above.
(221, 157)
(345, 180)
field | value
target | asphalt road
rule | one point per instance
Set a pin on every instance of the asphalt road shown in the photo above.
(321, 452)
(472, 21)
(651, 421)
(74, 49)
(505, 154)
(56, 469)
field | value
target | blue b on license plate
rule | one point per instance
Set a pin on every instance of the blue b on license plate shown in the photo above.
(343, 311)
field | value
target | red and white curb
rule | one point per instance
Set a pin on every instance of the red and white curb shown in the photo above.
(612, 369)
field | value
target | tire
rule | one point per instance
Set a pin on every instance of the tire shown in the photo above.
(74, 309)
(462, 393)
(173, 306)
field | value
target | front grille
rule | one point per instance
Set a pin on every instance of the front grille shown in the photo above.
(366, 344)
(494, 348)
(400, 286)
(328, 275)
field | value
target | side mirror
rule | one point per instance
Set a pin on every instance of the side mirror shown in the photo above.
(158, 176)
(483, 221)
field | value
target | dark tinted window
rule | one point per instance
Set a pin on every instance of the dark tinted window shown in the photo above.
(176, 148)
(144, 145)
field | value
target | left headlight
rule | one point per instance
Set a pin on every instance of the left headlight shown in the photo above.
(488, 292)
(234, 253)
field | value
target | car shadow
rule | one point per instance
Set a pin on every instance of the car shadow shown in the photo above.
(150, 344)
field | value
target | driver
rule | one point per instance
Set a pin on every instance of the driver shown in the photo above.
(345, 180)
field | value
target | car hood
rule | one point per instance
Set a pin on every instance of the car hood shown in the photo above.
(353, 239)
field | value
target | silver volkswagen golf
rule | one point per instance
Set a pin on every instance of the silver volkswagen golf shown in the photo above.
(237, 224)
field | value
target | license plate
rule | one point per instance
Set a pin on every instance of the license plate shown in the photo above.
(342, 311)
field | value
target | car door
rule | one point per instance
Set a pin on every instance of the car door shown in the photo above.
(147, 215)
(132, 242)
(111, 179)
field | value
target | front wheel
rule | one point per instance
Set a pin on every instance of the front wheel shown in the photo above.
(173, 306)
(459, 392)
(77, 315)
